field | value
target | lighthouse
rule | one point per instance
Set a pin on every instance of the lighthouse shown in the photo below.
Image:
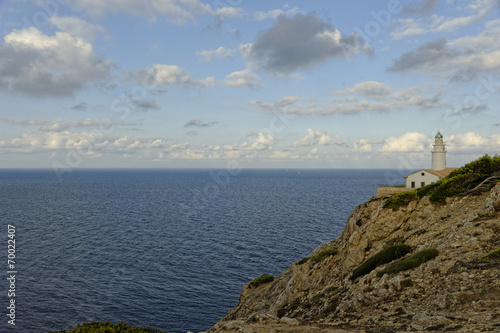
(438, 153)
(423, 177)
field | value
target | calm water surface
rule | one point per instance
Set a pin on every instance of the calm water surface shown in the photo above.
(170, 249)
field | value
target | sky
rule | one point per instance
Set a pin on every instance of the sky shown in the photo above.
(247, 84)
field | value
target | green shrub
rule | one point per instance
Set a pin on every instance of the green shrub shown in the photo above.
(302, 261)
(484, 166)
(400, 199)
(486, 258)
(323, 254)
(261, 280)
(385, 256)
(425, 190)
(107, 327)
(452, 186)
(410, 262)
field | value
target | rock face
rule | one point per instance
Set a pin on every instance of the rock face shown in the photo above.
(452, 292)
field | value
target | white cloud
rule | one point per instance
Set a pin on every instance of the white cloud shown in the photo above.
(318, 137)
(378, 99)
(175, 11)
(219, 53)
(280, 106)
(262, 142)
(363, 146)
(51, 125)
(274, 13)
(165, 75)
(477, 9)
(367, 88)
(408, 142)
(461, 59)
(228, 12)
(244, 78)
(42, 141)
(37, 64)
(485, 41)
(473, 141)
(451, 24)
(76, 27)
(408, 28)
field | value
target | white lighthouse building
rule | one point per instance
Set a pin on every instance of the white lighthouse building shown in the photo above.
(438, 171)
(438, 153)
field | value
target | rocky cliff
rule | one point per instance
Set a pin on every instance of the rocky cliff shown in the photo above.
(459, 290)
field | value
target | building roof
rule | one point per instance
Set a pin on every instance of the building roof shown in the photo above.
(440, 173)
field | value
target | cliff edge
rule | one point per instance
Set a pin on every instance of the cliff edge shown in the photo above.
(457, 290)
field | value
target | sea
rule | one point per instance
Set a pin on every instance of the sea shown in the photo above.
(169, 249)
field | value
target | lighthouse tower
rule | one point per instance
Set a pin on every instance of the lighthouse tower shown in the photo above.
(438, 153)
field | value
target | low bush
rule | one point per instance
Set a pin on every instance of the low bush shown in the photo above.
(107, 327)
(452, 186)
(385, 256)
(410, 262)
(302, 261)
(484, 166)
(423, 191)
(261, 280)
(323, 254)
(400, 199)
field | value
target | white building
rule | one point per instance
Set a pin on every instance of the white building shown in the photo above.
(439, 170)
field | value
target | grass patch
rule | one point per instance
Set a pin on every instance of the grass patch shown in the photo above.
(107, 327)
(385, 256)
(323, 254)
(261, 280)
(487, 257)
(410, 262)
(400, 199)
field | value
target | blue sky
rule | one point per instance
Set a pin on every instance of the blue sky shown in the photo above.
(257, 84)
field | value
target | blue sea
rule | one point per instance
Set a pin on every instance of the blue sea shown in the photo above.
(170, 249)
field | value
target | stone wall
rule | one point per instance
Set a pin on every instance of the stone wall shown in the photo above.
(383, 191)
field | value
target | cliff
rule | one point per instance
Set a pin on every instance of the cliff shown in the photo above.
(458, 290)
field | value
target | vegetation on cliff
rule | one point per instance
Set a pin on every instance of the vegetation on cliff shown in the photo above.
(323, 254)
(400, 199)
(410, 262)
(477, 176)
(107, 327)
(261, 280)
(385, 256)
(487, 257)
